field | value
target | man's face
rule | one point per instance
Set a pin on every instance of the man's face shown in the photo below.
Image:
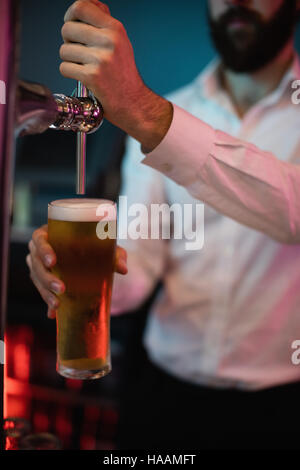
(250, 33)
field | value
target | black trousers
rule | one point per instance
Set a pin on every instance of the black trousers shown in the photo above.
(160, 412)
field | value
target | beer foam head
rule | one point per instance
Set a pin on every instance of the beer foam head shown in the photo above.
(82, 210)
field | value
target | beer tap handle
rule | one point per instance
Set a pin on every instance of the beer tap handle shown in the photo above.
(81, 148)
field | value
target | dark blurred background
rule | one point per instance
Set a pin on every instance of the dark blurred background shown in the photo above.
(172, 45)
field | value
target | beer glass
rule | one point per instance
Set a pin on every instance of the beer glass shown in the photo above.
(82, 233)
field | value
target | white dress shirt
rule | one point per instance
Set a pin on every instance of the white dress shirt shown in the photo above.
(227, 314)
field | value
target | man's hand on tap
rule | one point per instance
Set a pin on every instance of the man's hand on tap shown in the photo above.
(97, 52)
(42, 259)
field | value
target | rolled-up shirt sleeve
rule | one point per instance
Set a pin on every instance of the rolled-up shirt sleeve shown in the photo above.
(234, 177)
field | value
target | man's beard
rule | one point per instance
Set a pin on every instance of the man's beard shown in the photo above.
(248, 51)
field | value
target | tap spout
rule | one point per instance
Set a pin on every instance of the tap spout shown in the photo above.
(38, 109)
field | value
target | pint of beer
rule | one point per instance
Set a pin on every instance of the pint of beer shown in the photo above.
(82, 233)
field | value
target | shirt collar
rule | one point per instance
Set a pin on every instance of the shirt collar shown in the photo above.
(210, 83)
(209, 80)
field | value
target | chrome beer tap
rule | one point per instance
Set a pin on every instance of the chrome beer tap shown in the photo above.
(38, 110)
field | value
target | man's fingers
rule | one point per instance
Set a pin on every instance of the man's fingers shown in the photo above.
(44, 250)
(45, 278)
(77, 54)
(90, 12)
(28, 262)
(37, 269)
(81, 33)
(49, 298)
(51, 313)
(74, 71)
(121, 261)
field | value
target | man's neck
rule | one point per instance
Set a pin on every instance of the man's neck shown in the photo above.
(245, 90)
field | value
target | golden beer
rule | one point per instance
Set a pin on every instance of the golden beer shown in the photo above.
(85, 263)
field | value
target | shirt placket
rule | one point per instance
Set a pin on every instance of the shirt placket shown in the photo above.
(220, 306)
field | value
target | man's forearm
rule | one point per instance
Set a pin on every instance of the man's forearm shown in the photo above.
(148, 119)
